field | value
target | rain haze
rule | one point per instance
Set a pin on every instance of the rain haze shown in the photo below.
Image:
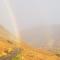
(34, 18)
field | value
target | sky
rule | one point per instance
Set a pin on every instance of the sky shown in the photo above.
(30, 13)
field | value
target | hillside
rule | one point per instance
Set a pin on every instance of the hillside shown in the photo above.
(26, 51)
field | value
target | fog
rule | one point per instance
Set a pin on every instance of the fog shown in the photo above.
(43, 36)
(38, 21)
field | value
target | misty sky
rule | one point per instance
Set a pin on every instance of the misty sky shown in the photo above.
(30, 13)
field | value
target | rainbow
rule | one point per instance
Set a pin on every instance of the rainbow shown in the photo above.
(13, 18)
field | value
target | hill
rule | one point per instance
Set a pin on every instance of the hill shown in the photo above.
(40, 36)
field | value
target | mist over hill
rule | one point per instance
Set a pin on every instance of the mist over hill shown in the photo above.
(40, 36)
